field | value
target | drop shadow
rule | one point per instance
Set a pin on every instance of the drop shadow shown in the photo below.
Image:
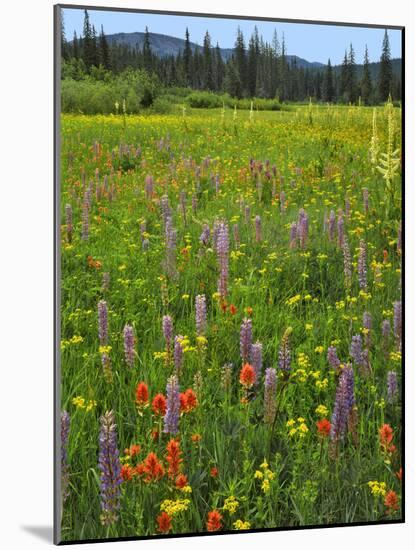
(43, 532)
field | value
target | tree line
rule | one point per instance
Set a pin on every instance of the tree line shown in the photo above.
(255, 69)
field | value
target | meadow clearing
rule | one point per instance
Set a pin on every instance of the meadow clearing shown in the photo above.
(230, 320)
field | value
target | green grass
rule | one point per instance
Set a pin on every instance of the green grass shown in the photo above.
(322, 155)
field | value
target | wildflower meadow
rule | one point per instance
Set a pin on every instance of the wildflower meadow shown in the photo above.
(231, 319)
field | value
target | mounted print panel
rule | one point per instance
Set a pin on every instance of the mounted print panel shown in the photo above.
(229, 333)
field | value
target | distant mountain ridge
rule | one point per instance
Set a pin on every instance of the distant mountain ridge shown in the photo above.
(163, 45)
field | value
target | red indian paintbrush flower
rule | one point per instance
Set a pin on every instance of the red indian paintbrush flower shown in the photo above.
(188, 400)
(159, 404)
(391, 501)
(174, 457)
(181, 481)
(247, 375)
(164, 522)
(141, 394)
(323, 427)
(385, 439)
(150, 468)
(214, 521)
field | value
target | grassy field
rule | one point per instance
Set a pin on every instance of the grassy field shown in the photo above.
(289, 413)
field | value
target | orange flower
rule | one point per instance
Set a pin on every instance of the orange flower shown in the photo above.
(133, 450)
(127, 472)
(323, 427)
(247, 375)
(385, 439)
(196, 438)
(214, 521)
(249, 311)
(399, 474)
(159, 404)
(94, 264)
(232, 309)
(181, 481)
(174, 457)
(151, 468)
(155, 434)
(141, 394)
(223, 306)
(391, 501)
(214, 472)
(164, 522)
(188, 400)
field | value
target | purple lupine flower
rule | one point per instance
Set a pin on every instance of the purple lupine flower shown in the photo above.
(223, 257)
(145, 244)
(183, 205)
(129, 345)
(149, 186)
(85, 222)
(365, 368)
(178, 352)
(284, 353)
(361, 265)
(332, 225)
(392, 381)
(245, 340)
(247, 213)
(293, 235)
(258, 229)
(340, 231)
(65, 427)
(215, 233)
(167, 325)
(165, 208)
(256, 360)
(356, 349)
(171, 418)
(205, 235)
(69, 222)
(110, 468)
(347, 207)
(386, 332)
(200, 314)
(367, 325)
(397, 324)
(103, 322)
(343, 404)
(365, 193)
(236, 236)
(347, 264)
(332, 358)
(270, 405)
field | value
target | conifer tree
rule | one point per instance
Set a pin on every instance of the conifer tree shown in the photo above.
(385, 70)
(187, 59)
(104, 49)
(328, 86)
(240, 59)
(207, 63)
(366, 82)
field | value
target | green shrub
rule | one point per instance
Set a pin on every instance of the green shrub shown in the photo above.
(204, 100)
(162, 105)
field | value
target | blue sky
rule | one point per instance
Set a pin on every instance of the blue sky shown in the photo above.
(311, 42)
